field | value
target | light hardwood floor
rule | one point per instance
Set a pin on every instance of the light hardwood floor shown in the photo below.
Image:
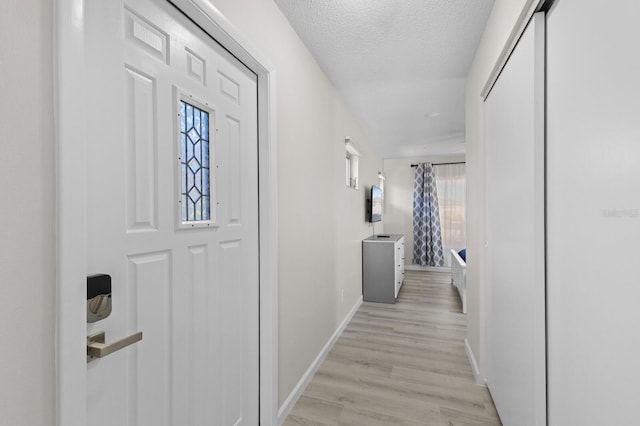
(402, 364)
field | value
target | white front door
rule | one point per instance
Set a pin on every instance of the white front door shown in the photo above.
(172, 217)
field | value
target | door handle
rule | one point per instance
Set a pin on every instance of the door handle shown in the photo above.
(97, 348)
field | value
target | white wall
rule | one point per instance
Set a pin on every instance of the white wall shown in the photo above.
(321, 221)
(351, 225)
(501, 22)
(398, 196)
(27, 277)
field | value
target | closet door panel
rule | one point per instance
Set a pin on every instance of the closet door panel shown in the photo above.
(593, 170)
(515, 280)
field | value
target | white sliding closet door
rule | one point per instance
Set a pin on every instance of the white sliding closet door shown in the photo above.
(593, 177)
(515, 311)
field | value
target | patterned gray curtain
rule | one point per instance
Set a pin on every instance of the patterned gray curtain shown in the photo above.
(427, 236)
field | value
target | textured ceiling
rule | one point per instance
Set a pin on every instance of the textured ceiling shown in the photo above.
(400, 65)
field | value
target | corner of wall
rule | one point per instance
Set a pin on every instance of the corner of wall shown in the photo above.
(480, 381)
(302, 384)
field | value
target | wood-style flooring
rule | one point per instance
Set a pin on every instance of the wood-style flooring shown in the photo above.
(401, 364)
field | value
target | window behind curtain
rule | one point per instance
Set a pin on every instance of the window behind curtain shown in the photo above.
(451, 185)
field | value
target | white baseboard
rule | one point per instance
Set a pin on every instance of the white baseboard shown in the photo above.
(298, 390)
(427, 268)
(474, 365)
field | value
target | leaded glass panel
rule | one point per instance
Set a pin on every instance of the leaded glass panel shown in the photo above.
(195, 195)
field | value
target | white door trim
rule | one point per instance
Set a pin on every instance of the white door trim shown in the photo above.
(531, 7)
(71, 201)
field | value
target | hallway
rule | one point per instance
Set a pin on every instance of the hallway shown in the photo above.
(402, 364)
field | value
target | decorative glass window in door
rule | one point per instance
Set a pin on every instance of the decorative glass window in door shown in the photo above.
(195, 185)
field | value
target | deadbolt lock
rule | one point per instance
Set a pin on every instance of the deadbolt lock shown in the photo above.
(98, 297)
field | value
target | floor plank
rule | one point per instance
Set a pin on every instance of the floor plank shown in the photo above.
(399, 364)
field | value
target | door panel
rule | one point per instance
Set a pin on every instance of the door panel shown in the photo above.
(140, 139)
(515, 234)
(593, 142)
(148, 384)
(190, 286)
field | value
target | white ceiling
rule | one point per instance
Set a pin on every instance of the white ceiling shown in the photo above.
(400, 65)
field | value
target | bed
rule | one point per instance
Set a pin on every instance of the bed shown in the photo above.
(459, 275)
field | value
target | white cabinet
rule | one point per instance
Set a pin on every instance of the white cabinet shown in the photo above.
(398, 249)
(382, 267)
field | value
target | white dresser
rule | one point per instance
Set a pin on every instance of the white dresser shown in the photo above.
(382, 267)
